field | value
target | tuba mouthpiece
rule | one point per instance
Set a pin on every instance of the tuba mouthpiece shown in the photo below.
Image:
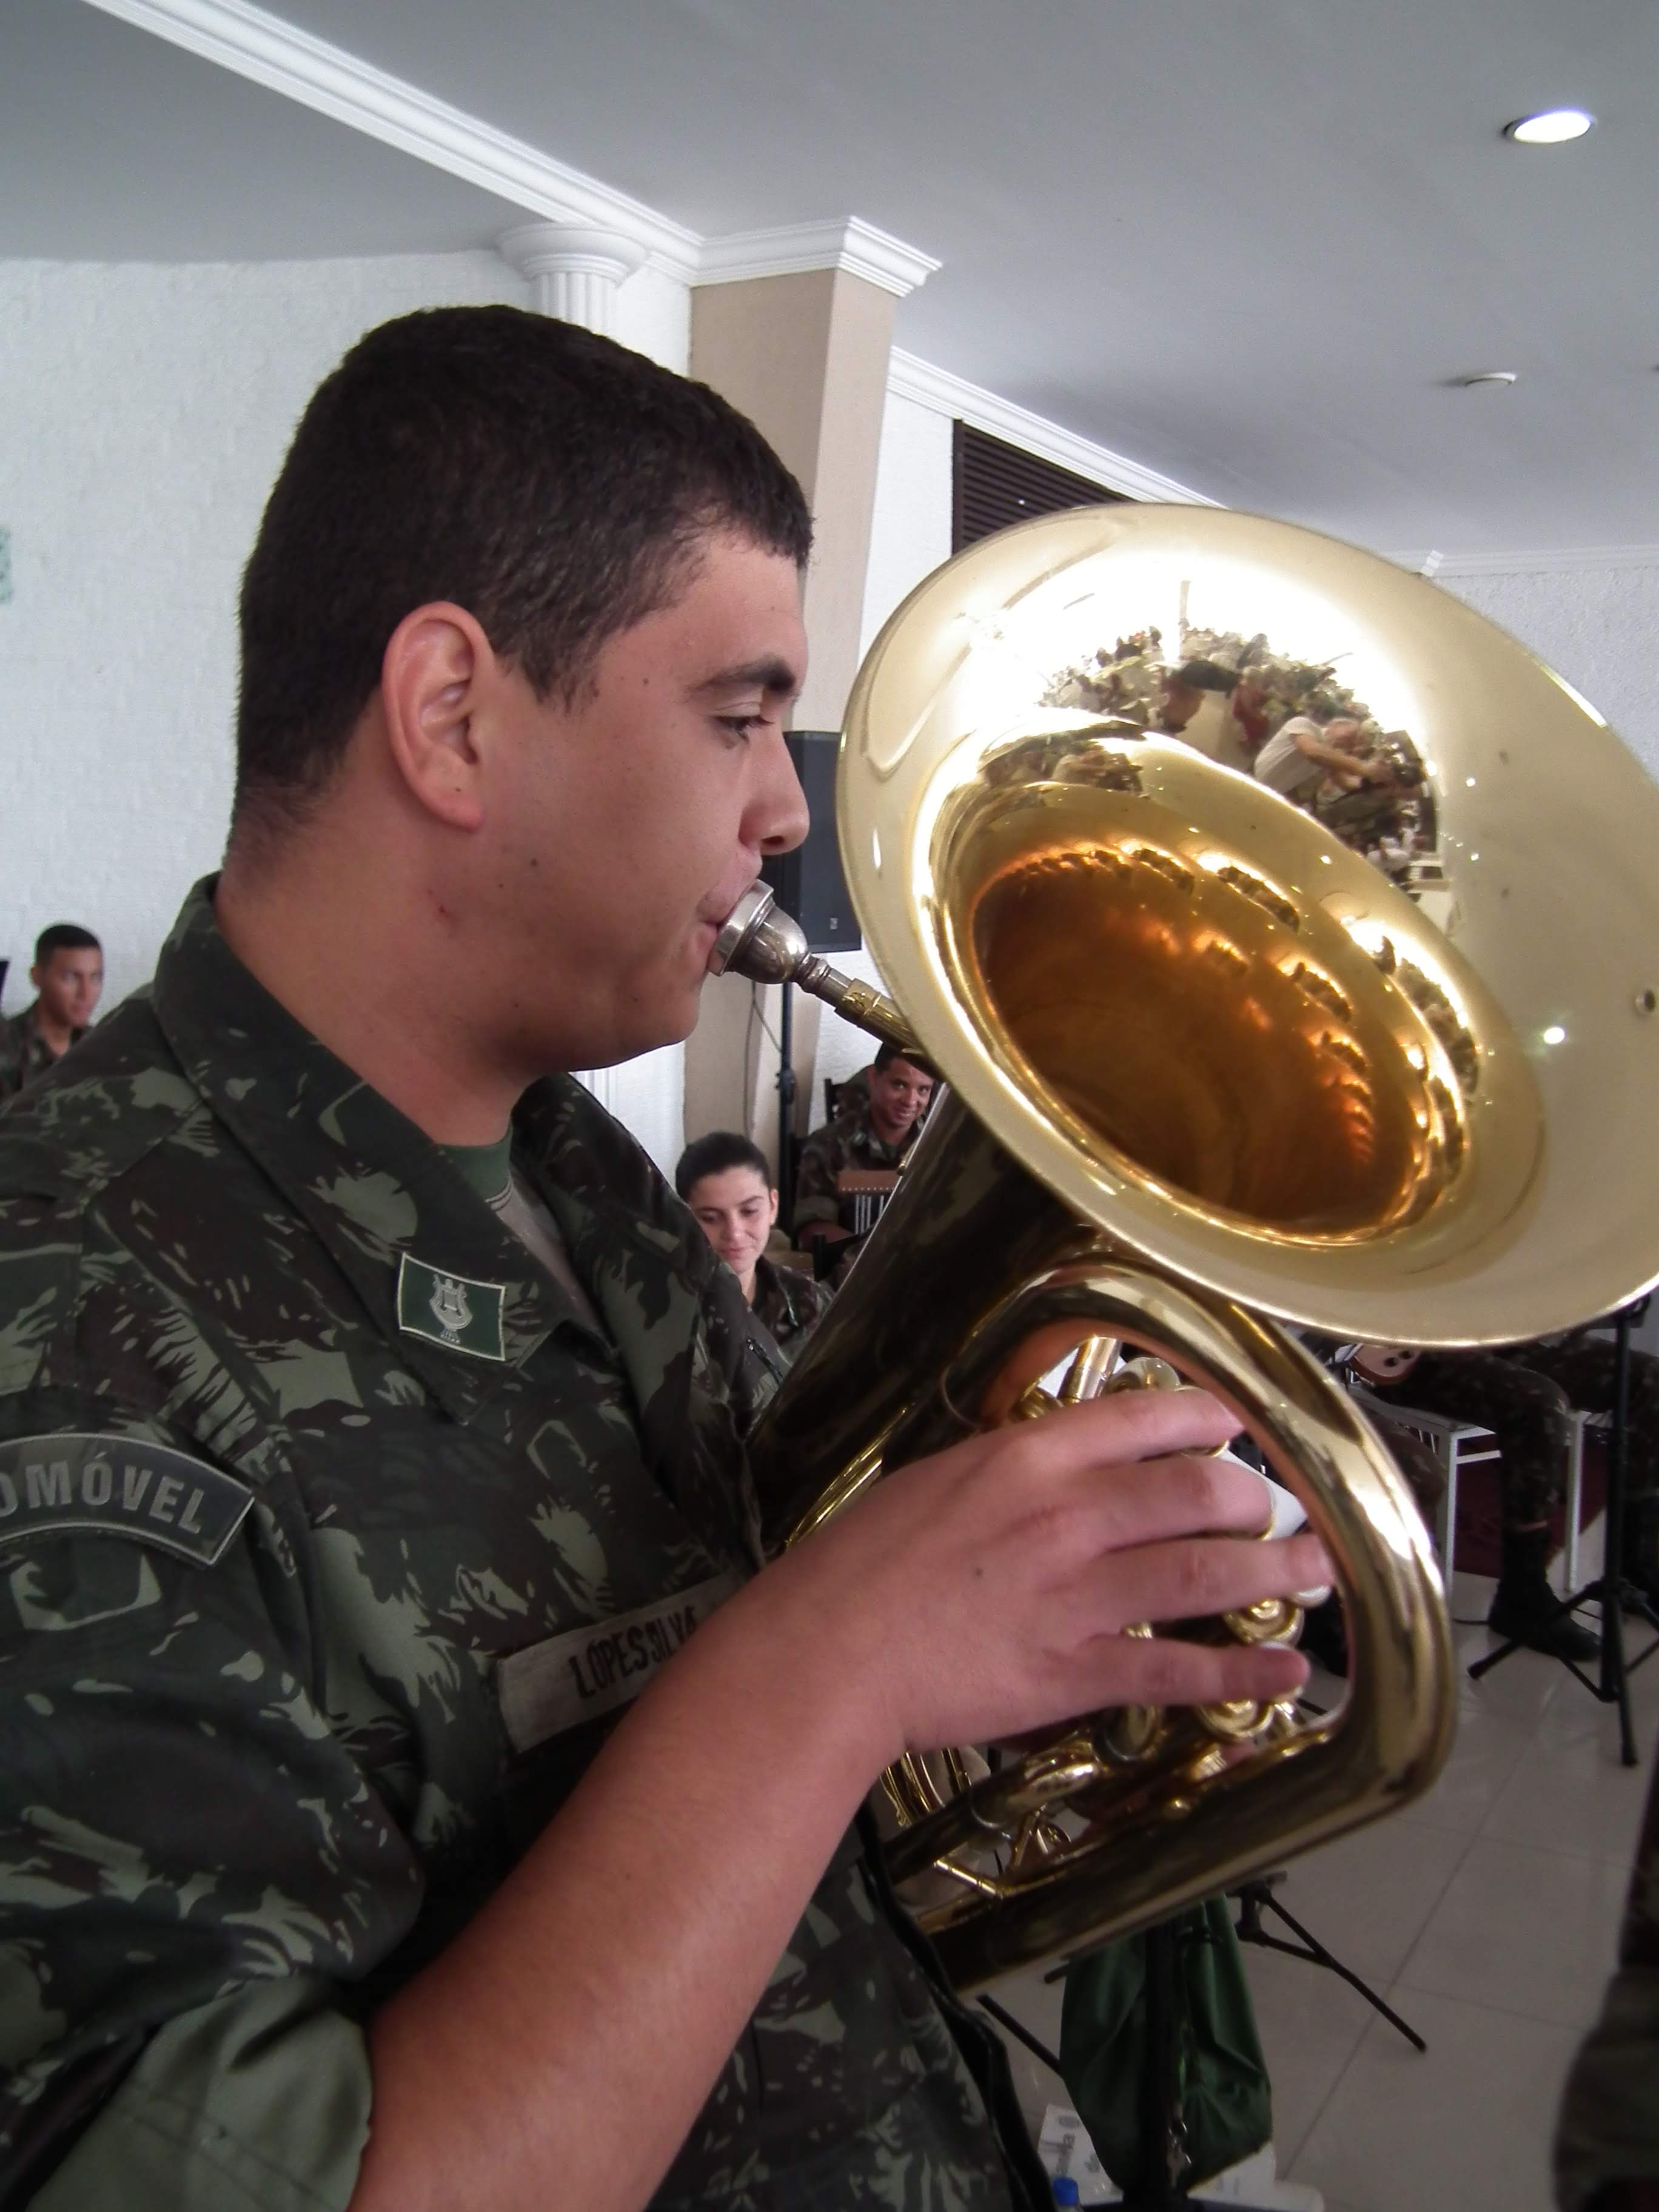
(759, 941)
(762, 942)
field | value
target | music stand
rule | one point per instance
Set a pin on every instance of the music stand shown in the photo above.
(1610, 1590)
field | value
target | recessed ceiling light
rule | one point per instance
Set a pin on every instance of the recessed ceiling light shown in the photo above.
(1553, 127)
(1483, 376)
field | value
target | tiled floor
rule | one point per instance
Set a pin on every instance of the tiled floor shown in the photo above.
(1487, 1915)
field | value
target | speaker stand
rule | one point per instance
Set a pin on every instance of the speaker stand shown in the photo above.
(786, 1089)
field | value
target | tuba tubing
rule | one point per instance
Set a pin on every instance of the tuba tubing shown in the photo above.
(977, 1278)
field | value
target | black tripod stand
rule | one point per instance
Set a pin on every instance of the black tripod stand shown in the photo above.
(1609, 1590)
(1255, 1898)
(786, 1089)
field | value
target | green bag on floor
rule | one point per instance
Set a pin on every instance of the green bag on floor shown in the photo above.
(1223, 2098)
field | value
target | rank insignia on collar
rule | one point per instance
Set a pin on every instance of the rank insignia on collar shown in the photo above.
(451, 1309)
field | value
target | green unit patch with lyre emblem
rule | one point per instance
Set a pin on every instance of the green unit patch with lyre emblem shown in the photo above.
(451, 1309)
(77, 1484)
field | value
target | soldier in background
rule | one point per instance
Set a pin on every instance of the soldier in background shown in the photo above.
(1582, 1362)
(874, 1131)
(1528, 1414)
(726, 1182)
(417, 1792)
(67, 976)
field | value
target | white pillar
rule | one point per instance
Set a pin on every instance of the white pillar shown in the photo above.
(574, 268)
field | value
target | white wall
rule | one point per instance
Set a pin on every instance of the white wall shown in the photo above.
(910, 526)
(146, 410)
(909, 537)
(1599, 627)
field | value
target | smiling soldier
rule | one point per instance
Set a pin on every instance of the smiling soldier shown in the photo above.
(439, 1804)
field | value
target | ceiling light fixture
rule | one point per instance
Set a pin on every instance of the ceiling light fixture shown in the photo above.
(1482, 376)
(1554, 126)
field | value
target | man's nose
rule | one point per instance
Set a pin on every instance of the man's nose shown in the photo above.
(778, 810)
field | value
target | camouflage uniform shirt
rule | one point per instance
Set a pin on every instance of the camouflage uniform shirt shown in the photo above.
(788, 1303)
(332, 1542)
(24, 1053)
(1609, 2127)
(849, 1141)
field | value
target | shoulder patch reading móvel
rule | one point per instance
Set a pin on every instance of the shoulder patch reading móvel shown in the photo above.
(55, 1486)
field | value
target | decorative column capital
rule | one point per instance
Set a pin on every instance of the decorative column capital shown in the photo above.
(575, 268)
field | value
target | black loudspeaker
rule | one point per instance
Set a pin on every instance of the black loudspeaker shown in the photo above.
(808, 881)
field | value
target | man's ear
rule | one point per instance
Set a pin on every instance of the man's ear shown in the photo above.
(772, 1217)
(438, 663)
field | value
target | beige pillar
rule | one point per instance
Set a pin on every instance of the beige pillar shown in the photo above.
(805, 355)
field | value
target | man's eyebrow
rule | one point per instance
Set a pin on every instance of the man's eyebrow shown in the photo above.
(770, 673)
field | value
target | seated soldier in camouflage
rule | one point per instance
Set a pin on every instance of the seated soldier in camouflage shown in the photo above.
(417, 1792)
(1528, 1414)
(876, 1131)
(1582, 1362)
(724, 1178)
(67, 976)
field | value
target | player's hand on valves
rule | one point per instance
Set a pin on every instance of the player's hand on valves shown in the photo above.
(985, 1591)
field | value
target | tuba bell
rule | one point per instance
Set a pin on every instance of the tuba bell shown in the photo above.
(1213, 1059)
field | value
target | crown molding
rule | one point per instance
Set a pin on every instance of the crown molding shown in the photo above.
(855, 246)
(244, 39)
(1563, 560)
(936, 388)
(253, 44)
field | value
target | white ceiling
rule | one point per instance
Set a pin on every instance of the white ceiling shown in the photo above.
(116, 146)
(1251, 243)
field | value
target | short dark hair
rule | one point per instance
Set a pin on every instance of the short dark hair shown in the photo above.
(713, 1154)
(887, 1053)
(63, 936)
(550, 482)
(1206, 676)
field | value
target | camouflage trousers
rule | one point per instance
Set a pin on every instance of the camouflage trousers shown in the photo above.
(1583, 1367)
(1525, 1410)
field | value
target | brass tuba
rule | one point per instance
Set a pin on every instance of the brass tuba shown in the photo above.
(1207, 1062)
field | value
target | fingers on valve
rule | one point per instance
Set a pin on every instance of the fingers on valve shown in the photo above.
(1189, 1579)
(1165, 1671)
(1155, 1500)
(1138, 1425)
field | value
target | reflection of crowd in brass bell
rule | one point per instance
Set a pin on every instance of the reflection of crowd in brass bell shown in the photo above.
(1288, 723)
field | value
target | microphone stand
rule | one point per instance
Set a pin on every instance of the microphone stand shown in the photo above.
(1610, 1590)
(786, 1086)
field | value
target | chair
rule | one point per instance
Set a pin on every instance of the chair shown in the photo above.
(1451, 1441)
(869, 1189)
